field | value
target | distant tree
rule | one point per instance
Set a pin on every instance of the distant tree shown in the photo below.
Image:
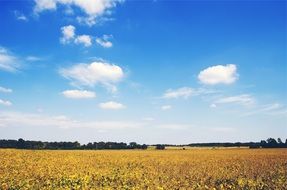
(279, 141)
(271, 142)
(263, 143)
(89, 146)
(160, 147)
(21, 143)
(144, 146)
(133, 145)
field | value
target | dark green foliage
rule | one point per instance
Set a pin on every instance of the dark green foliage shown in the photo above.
(159, 147)
(22, 144)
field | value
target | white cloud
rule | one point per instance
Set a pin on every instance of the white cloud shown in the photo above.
(95, 73)
(5, 103)
(20, 16)
(243, 99)
(183, 92)
(166, 107)
(33, 58)
(104, 41)
(68, 33)
(86, 40)
(79, 94)
(219, 74)
(42, 5)
(5, 90)
(8, 119)
(93, 9)
(213, 105)
(8, 62)
(272, 109)
(186, 92)
(111, 105)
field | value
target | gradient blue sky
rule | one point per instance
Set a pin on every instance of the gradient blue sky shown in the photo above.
(144, 71)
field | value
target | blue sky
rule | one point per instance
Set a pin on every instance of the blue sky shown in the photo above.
(145, 71)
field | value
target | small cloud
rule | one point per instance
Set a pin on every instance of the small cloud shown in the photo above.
(94, 10)
(94, 73)
(184, 92)
(68, 34)
(5, 90)
(33, 58)
(272, 109)
(219, 74)
(111, 105)
(8, 62)
(20, 16)
(86, 40)
(5, 103)
(166, 107)
(79, 94)
(212, 106)
(42, 5)
(104, 41)
(243, 99)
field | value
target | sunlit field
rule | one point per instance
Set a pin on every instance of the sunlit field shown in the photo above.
(144, 169)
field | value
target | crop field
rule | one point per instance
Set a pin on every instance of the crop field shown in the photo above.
(144, 169)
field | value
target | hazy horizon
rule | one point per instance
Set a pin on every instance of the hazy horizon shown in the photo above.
(169, 72)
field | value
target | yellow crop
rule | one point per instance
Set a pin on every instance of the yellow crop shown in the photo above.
(144, 169)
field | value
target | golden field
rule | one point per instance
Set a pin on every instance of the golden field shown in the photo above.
(144, 169)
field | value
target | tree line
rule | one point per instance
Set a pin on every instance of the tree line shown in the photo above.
(26, 144)
(269, 143)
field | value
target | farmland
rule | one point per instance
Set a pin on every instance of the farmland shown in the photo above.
(144, 169)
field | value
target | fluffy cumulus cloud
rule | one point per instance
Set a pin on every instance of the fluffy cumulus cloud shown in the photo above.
(166, 107)
(69, 36)
(184, 92)
(5, 90)
(8, 62)
(42, 5)
(243, 99)
(79, 94)
(5, 103)
(104, 41)
(219, 74)
(111, 105)
(93, 9)
(102, 73)
(86, 40)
